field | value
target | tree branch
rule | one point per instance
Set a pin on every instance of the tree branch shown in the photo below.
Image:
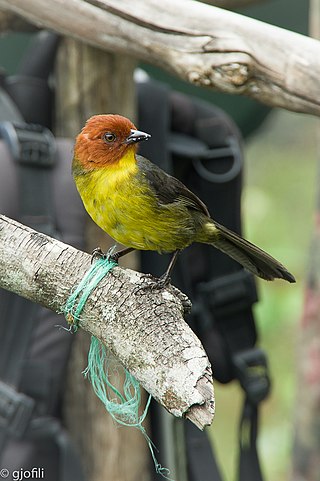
(143, 328)
(9, 22)
(204, 45)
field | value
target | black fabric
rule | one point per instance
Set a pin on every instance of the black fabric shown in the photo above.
(249, 465)
(13, 309)
(44, 357)
(202, 463)
(38, 60)
(8, 109)
(30, 86)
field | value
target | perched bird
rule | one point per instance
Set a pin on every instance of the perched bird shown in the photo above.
(142, 207)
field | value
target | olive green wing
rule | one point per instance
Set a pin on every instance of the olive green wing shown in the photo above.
(168, 189)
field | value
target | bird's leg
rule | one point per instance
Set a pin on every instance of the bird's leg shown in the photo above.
(98, 253)
(116, 256)
(165, 278)
(163, 281)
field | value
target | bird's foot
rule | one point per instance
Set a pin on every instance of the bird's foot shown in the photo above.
(161, 282)
(151, 283)
(97, 254)
(111, 255)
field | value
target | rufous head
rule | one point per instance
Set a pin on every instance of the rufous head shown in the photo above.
(105, 139)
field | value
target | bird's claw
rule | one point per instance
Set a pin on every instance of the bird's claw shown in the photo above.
(97, 254)
(161, 282)
(111, 255)
(152, 283)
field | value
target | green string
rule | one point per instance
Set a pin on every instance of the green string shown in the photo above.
(122, 406)
(77, 300)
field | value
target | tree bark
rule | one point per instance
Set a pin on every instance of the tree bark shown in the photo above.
(144, 328)
(204, 45)
(9, 22)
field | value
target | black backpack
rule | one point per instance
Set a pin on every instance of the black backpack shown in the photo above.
(199, 144)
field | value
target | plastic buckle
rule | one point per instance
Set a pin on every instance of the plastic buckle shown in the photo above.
(16, 410)
(230, 150)
(251, 368)
(199, 153)
(230, 293)
(30, 144)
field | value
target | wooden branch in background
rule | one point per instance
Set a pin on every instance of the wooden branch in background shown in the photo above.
(10, 22)
(144, 329)
(201, 44)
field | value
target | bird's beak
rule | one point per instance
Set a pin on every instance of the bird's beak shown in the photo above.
(136, 136)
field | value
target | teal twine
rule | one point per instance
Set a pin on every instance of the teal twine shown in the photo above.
(122, 406)
(77, 300)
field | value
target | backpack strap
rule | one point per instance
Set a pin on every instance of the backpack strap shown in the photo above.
(8, 109)
(202, 464)
(29, 86)
(252, 372)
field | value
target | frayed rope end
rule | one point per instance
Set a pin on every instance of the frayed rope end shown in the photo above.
(123, 406)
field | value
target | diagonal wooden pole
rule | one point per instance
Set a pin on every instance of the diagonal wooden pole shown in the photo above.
(204, 45)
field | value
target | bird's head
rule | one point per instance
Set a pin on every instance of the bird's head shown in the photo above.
(105, 139)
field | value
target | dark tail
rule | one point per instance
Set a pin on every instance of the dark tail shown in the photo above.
(250, 256)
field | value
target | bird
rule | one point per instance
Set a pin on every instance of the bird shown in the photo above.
(142, 207)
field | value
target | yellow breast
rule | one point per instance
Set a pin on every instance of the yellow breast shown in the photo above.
(105, 192)
(120, 200)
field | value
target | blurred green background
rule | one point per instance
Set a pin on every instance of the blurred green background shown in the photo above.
(278, 209)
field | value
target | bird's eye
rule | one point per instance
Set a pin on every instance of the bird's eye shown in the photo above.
(109, 137)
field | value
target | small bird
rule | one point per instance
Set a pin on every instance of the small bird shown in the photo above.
(142, 207)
